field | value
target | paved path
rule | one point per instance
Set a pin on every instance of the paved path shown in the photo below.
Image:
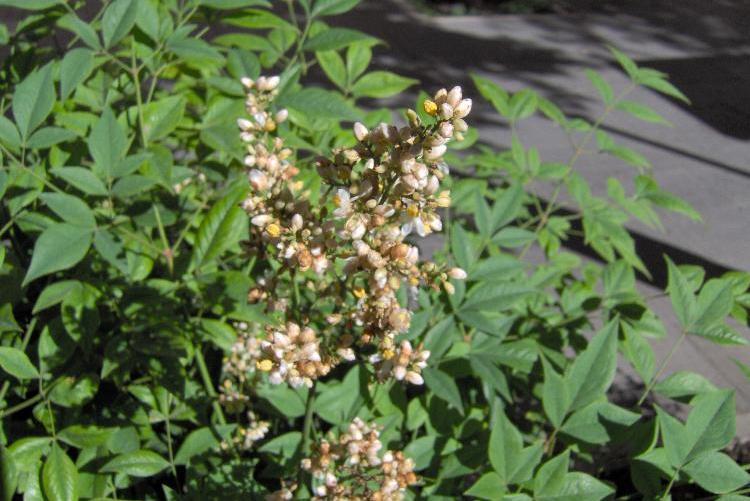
(704, 157)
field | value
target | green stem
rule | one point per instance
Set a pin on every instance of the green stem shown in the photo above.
(169, 435)
(208, 384)
(662, 367)
(306, 430)
(579, 149)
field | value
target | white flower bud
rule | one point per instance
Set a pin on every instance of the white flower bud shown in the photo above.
(261, 220)
(457, 273)
(446, 111)
(433, 184)
(297, 222)
(399, 372)
(244, 124)
(250, 160)
(435, 152)
(460, 125)
(247, 82)
(273, 82)
(454, 96)
(360, 131)
(281, 116)
(446, 130)
(414, 378)
(258, 179)
(463, 109)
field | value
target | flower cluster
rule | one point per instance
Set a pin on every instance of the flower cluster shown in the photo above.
(351, 467)
(380, 191)
(246, 436)
(239, 366)
(293, 355)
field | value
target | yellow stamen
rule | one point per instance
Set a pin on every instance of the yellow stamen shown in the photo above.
(264, 365)
(273, 230)
(430, 107)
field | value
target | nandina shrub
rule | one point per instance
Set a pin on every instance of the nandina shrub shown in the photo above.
(211, 280)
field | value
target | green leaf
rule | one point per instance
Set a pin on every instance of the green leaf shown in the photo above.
(680, 294)
(627, 64)
(598, 422)
(319, 103)
(683, 384)
(72, 209)
(49, 136)
(333, 66)
(440, 337)
(381, 84)
(283, 445)
(33, 100)
(496, 95)
(550, 478)
(8, 133)
(16, 363)
(220, 228)
(422, 451)
(83, 436)
(332, 7)
(161, 117)
(59, 476)
(54, 294)
(639, 352)
(593, 370)
(513, 237)
(523, 104)
(107, 143)
(336, 38)
(721, 334)
(118, 20)
(641, 112)
(29, 4)
(659, 83)
(504, 446)
(507, 206)
(489, 486)
(444, 387)
(714, 303)
(202, 440)
(75, 67)
(496, 296)
(73, 23)
(59, 247)
(581, 486)
(358, 57)
(74, 391)
(555, 399)
(482, 215)
(490, 374)
(241, 63)
(82, 179)
(140, 463)
(195, 51)
(601, 85)
(711, 423)
(717, 473)
(461, 247)
(233, 4)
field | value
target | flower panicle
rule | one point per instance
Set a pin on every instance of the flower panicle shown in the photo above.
(382, 192)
